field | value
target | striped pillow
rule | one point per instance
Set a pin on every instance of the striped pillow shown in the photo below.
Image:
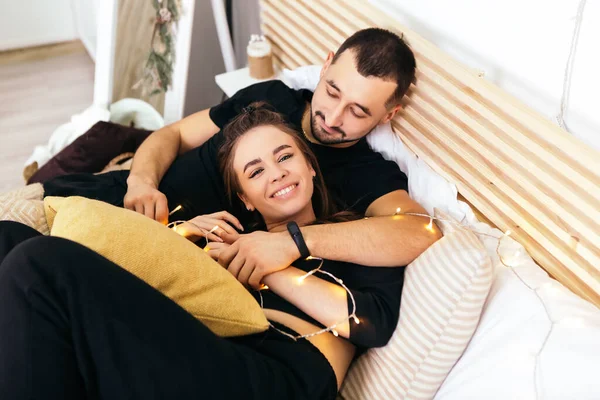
(444, 291)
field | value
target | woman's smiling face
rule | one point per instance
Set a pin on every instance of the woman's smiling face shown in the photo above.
(274, 176)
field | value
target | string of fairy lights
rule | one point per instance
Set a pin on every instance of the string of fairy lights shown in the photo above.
(510, 264)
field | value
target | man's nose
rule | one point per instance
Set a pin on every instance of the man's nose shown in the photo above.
(335, 118)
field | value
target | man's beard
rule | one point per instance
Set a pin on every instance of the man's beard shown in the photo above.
(324, 137)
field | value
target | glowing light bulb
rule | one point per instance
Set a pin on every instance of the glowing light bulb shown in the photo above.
(335, 333)
(303, 277)
(175, 209)
(356, 320)
(507, 233)
(429, 226)
(398, 211)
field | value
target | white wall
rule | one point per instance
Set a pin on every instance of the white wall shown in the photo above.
(35, 22)
(205, 61)
(85, 14)
(522, 45)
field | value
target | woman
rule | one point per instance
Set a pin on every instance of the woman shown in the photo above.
(73, 325)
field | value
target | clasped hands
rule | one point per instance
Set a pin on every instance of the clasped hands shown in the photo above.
(248, 257)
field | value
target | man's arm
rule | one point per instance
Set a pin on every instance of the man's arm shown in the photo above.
(158, 151)
(155, 156)
(380, 240)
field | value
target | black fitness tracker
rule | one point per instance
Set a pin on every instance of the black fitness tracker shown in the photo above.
(294, 231)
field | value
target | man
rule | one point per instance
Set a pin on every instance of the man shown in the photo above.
(360, 87)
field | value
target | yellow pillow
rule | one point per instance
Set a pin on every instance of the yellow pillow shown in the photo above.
(161, 257)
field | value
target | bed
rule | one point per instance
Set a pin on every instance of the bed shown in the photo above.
(478, 154)
(512, 169)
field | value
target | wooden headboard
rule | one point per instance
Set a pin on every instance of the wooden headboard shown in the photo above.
(519, 170)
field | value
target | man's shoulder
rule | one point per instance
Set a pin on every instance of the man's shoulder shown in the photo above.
(273, 89)
(358, 157)
(357, 150)
(282, 98)
(276, 93)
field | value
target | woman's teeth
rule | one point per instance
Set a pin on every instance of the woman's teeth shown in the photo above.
(284, 191)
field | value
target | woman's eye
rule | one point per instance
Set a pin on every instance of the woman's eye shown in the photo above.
(255, 172)
(285, 157)
(331, 94)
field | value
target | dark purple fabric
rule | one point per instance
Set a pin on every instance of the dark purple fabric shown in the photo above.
(92, 151)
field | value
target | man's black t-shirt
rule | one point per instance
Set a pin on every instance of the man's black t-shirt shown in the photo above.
(355, 176)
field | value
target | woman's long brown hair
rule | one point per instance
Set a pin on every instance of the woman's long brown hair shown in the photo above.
(261, 114)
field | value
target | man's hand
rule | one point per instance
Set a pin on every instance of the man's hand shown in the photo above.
(145, 198)
(253, 256)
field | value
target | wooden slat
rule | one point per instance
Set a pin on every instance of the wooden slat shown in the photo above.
(271, 15)
(323, 24)
(501, 132)
(530, 142)
(313, 35)
(517, 168)
(323, 14)
(531, 220)
(543, 186)
(286, 61)
(584, 286)
(276, 33)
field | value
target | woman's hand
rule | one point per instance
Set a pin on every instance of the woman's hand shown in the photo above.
(253, 256)
(214, 249)
(211, 226)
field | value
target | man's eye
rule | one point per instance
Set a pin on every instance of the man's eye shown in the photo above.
(357, 115)
(285, 157)
(255, 172)
(331, 94)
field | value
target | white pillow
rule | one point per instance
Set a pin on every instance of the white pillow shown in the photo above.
(306, 77)
(444, 291)
(500, 362)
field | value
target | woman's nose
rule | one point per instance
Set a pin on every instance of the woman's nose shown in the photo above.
(278, 173)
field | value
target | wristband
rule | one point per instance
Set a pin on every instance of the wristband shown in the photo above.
(294, 231)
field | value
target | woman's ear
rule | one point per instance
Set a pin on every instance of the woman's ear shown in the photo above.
(311, 168)
(248, 205)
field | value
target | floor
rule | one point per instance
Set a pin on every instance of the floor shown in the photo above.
(40, 89)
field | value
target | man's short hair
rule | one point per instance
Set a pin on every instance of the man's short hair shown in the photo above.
(382, 54)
